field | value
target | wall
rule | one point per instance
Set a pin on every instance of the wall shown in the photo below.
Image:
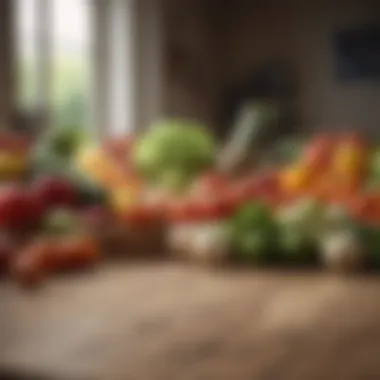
(299, 32)
(149, 61)
(194, 67)
(5, 63)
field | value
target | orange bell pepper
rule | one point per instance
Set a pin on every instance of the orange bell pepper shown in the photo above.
(295, 179)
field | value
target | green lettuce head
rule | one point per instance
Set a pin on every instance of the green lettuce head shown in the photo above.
(172, 152)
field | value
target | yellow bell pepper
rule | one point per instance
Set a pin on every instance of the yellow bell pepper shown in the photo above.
(100, 167)
(123, 197)
(348, 160)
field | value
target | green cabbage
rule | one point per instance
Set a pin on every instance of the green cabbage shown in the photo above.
(172, 152)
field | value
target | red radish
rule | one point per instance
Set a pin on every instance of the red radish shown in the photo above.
(55, 192)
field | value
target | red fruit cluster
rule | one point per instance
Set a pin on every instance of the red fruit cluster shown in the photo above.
(41, 257)
(215, 197)
(22, 208)
(55, 192)
(18, 208)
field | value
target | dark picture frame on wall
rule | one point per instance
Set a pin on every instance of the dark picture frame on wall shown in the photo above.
(357, 54)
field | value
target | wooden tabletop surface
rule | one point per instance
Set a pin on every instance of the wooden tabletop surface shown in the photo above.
(170, 321)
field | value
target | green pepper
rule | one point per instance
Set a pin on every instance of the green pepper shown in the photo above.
(254, 233)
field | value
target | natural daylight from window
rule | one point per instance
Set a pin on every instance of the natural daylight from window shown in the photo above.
(62, 45)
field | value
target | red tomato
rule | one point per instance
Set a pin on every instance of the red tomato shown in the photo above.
(364, 207)
(78, 252)
(209, 184)
(318, 153)
(30, 266)
(258, 185)
(231, 199)
(213, 181)
(70, 253)
(206, 209)
(143, 214)
(180, 211)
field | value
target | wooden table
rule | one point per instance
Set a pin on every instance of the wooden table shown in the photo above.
(169, 321)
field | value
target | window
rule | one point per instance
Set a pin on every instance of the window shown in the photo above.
(77, 62)
(27, 52)
(54, 59)
(70, 62)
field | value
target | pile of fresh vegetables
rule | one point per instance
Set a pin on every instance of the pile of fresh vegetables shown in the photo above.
(174, 189)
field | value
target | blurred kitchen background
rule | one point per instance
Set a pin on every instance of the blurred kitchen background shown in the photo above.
(114, 66)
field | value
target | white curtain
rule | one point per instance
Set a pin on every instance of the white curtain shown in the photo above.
(128, 65)
(121, 45)
(114, 85)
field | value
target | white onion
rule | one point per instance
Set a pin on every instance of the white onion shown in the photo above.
(342, 251)
(179, 237)
(203, 241)
(210, 243)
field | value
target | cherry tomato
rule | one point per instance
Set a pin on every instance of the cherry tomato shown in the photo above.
(30, 266)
